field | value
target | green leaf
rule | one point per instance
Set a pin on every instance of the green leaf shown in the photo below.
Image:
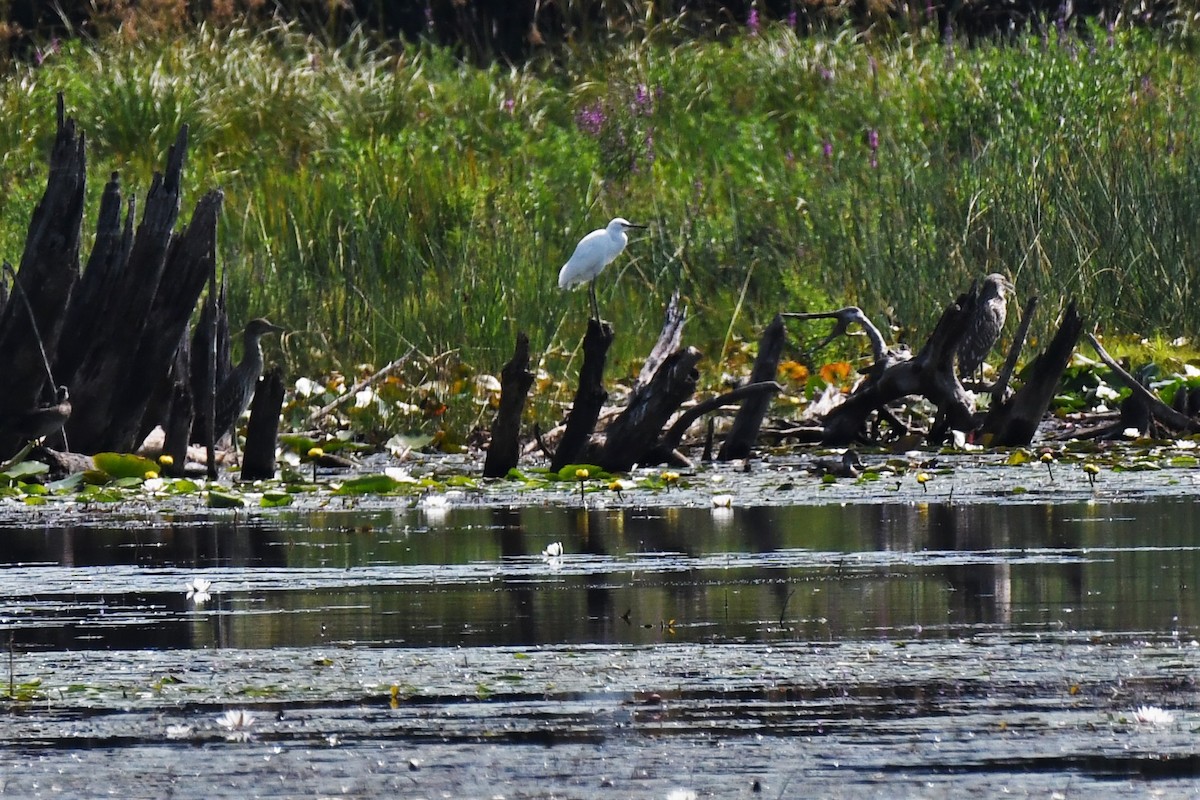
(219, 499)
(368, 484)
(567, 473)
(1018, 457)
(275, 499)
(24, 469)
(67, 484)
(124, 465)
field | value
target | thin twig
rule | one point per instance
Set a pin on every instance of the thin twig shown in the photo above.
(358, 387)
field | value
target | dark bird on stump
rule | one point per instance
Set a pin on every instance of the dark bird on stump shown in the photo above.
(983, 329)
(236, 391)
(38, 422)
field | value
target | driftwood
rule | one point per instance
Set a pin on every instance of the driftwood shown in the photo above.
(114, 339)
(746, 423)
(930, 373)
(515, 381)
(1000, 387)
(48, 274)
(589, 397)
(262, 432)
(135, 335)
(750, 391)
(1172, 418)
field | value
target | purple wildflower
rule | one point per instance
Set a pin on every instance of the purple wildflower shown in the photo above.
(643, 105)
(649, 145)
(509, 104)
(825, 73)
(873, 145)
(591, 118)
(792, 19)
(827, 150)
(752, 21)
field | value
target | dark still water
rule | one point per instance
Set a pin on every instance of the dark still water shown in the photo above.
(477, 577)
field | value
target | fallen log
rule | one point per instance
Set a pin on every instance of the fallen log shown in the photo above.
(633, 437)
(931, 373)
(1170, 417)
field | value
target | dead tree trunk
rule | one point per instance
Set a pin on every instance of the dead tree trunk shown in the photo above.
(48, 274)
(746, 424)
(262, 432)
(633, 436)
(1014, 423)
(515, 381)
(101, 421)
(589, 397)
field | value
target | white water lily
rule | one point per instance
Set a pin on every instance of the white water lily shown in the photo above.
(177, 732)
(400, 475)
(1153, 715)
(197, 590)
(681, 794)
(553, 550)
(238, 723)
(722, 501)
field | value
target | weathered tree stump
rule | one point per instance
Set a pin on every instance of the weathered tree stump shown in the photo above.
(589, 397)
(262, 432)
(121, 366)
(1015, 422)
(743, 434)
(48, 274)
(504, 450)
(633, 436)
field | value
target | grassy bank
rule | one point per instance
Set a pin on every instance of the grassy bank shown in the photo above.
(379, 199)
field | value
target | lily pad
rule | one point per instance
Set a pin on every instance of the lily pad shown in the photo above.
(124, 465)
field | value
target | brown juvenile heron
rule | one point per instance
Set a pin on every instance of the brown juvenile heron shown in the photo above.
(236, 391)
(983, 329)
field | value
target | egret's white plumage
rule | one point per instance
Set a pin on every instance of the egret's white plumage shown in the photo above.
(593, 253)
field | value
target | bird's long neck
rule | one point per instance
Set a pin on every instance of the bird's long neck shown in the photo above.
(252, 349)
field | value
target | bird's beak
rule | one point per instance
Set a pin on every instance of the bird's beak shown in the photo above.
(632, 225)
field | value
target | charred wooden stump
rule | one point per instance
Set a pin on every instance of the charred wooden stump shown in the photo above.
(746, 424)
(1015, 422)
(32, 322)
(180, 412)
(104, 421)
(589, 397)
(262, 432)
(515, 381)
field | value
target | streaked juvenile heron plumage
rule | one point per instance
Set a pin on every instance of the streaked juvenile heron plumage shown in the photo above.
(236, 391)
(983, 329)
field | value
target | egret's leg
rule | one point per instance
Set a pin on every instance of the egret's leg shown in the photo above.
(595, 305)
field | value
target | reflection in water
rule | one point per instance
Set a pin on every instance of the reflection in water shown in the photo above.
(475, 576)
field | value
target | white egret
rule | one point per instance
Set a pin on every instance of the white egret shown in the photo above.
(593, 253)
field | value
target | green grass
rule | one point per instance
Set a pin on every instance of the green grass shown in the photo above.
(381, 198)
